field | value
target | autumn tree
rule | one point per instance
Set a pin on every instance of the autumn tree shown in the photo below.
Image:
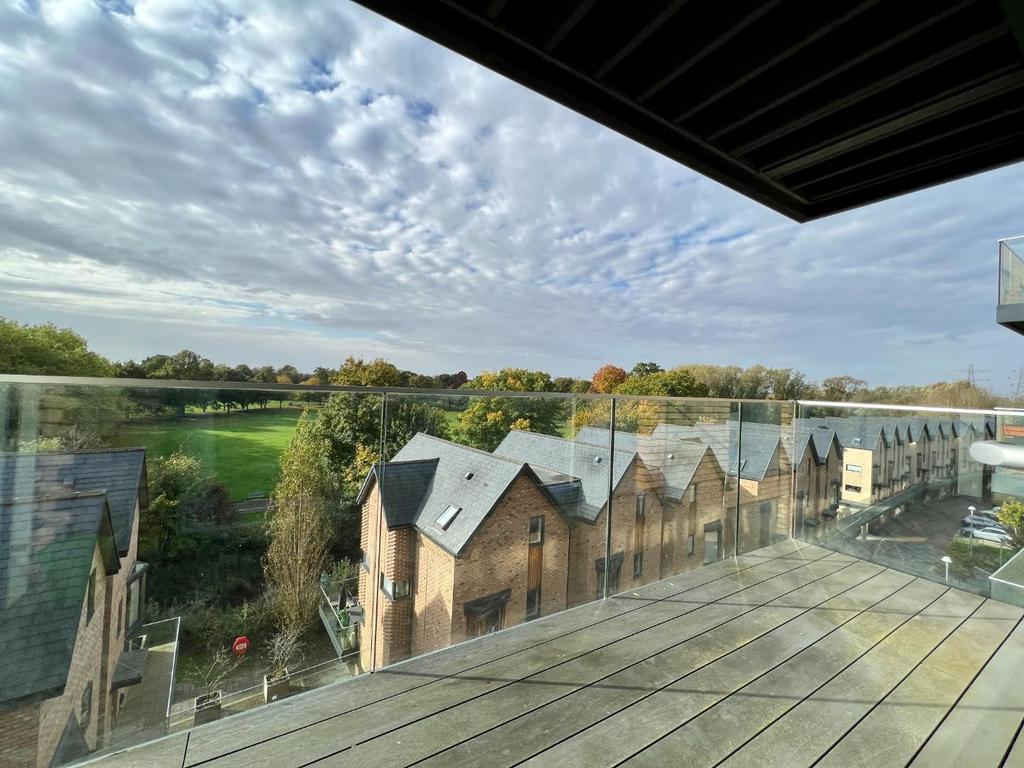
(486, 420)
(607, 378)
(298, 526)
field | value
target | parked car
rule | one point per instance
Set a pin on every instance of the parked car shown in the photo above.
(981, 521)
(990, 533)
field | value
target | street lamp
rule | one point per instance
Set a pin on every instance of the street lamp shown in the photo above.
(946, 560)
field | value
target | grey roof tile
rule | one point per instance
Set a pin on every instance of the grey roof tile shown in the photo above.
(46, 552)
(121, 472)
(585, 462)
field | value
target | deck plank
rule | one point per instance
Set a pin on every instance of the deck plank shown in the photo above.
(529, 735)
(896, 729)
(788, 656)
(617, 672)
(804, 733)
(981, 727)
(353, 726)
(299, 712)
(709, 713)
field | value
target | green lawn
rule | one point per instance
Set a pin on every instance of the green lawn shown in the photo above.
(242, 448)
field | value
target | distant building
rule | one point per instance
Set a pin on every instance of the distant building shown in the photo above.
(71, 596)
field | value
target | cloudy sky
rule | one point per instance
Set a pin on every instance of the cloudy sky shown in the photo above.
(307, 181)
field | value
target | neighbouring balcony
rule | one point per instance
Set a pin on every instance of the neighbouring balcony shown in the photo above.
(510, 577)
(1010, 309)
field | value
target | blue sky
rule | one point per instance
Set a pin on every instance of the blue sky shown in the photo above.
(301, 182)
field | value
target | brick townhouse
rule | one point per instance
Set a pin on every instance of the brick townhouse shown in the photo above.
(71, 594)
(636, 527)
(471, 542)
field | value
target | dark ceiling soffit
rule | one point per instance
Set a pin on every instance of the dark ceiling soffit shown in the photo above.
(478, 40)
(1014, 10)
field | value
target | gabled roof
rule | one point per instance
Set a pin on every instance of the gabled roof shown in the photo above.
(852, 432)
(120, 472)
(819, 439)
(404, 485)
(430, 475)
(751, 450)
(46, 553)
(584, 462)
(624, 441)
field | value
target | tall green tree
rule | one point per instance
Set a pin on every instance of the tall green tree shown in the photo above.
(299, 525)
(46, 350)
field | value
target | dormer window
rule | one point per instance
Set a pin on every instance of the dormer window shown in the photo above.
(446, 518)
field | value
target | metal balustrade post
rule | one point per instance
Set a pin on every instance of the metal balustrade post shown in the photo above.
(373, 577)
(739, 471)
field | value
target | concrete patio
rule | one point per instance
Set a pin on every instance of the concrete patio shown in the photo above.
(790, 656)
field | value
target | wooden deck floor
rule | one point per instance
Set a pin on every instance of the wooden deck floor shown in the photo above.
(790, 656)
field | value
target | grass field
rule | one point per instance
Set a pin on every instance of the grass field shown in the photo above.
(242, 448)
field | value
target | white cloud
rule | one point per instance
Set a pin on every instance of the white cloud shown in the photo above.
(299, 182)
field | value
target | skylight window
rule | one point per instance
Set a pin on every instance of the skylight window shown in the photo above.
(446, 518)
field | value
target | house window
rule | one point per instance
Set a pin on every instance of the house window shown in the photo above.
(395, 590)
(90, 597)
(693, 493)
(537, 530)
(533, 603)
(854, 468)
(85, 707)
(638, 536)
(853, 488)
(446, 518)
(690, 543)
(120, 618)
(486, 614)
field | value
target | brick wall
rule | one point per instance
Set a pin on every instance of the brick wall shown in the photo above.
(434, 586)
(497, 555)
(587, 540)
(19, 734)
(690, 518)
(86, 664)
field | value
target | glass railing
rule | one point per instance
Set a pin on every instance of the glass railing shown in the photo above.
(1011, 271)
(900, 488)
(297, 536)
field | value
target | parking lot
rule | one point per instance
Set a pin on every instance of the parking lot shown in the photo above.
(916, 538)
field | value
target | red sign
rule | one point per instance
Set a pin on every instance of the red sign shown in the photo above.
(240, 646)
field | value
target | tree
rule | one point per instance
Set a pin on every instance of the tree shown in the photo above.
(645, 369)
(675, 383)
(486, 420)
(298, 526)
(46, 350)
(1011, 514)
(607, 378)
(841, 388)
(181, 494)
(377, 373)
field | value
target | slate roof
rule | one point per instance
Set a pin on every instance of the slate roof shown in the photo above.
(465, 477)
(121, 472)
(405, 485)
(819, 438)
(585, 462)
(851, 432)
(46, 552)
(758, 453)
(675, 457)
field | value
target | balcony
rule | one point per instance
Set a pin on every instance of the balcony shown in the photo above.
(790, 655)
(1010, 309)
(631, 579)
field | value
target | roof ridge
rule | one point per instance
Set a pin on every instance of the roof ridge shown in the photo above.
(468, 448)
(567, 440)
(5, 454)
(54, 496)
